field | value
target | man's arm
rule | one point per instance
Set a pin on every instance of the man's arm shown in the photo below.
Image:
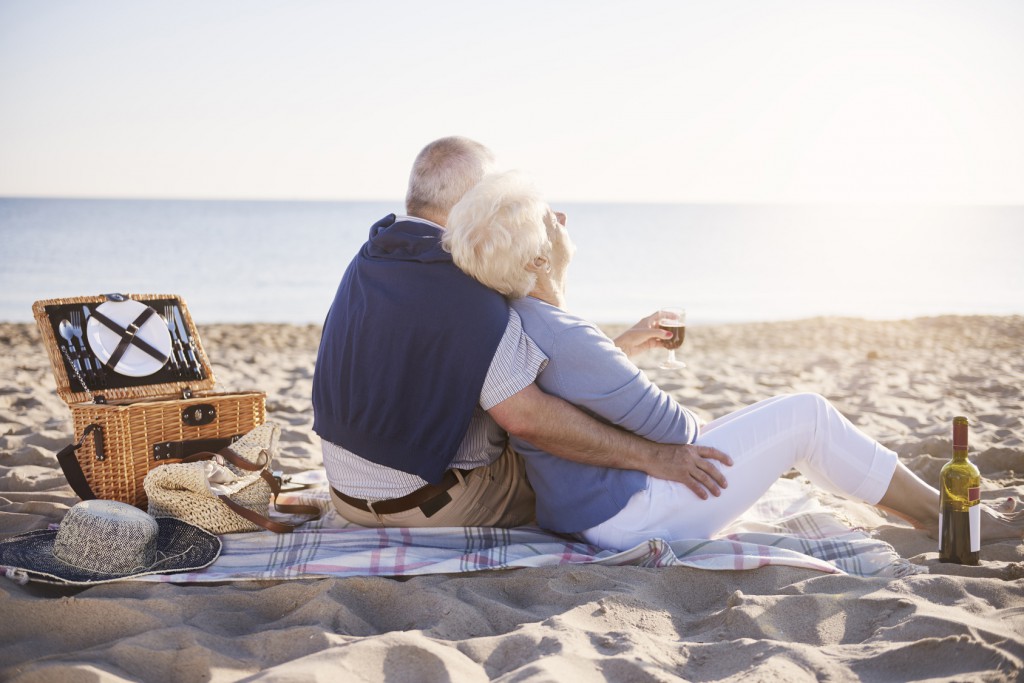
(559, 428)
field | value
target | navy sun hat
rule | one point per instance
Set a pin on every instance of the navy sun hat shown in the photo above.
(101, 541)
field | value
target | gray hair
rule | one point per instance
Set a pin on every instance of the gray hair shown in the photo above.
(497, 230)
(442, 173)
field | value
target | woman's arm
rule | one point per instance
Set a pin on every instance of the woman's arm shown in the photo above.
(585, 369)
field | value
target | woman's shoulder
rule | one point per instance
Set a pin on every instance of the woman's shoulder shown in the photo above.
(551, 326)
(535, 312)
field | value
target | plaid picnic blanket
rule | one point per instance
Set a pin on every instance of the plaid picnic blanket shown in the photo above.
(788, 527)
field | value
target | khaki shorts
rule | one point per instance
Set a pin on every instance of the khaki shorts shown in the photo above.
(496, 495)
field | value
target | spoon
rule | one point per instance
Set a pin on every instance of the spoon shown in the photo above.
(68, 333)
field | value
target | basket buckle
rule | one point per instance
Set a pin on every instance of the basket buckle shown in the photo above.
(199, 415)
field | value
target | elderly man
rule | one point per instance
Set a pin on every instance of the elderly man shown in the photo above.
(422, 372)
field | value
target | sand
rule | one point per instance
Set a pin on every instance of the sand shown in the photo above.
(901, 381)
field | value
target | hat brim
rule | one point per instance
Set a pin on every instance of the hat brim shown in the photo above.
(181, 547)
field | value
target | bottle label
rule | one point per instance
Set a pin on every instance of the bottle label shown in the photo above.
(974, 516)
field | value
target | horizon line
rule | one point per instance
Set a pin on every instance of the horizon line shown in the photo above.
(664, 202)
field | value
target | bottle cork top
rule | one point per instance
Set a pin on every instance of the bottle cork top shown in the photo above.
(959, 432)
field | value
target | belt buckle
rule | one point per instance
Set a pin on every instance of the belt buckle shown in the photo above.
(435, 504)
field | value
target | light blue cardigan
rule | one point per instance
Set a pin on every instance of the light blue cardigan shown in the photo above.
(586, 369)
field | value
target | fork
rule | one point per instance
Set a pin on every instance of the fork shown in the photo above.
(98, 375)
(76, 329)
(169, 321)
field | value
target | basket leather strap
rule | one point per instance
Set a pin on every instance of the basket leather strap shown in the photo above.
(73, 469)
(184, 450)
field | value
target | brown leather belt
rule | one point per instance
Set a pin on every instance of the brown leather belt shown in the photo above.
(429, 499)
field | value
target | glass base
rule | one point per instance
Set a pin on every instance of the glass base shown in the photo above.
(672, 365)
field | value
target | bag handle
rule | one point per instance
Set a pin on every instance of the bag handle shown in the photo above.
(270, 524)
(256, 518)
(73, 469)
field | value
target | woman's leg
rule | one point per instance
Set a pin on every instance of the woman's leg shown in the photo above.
(917, 502)
(729, 417)
(764, 440)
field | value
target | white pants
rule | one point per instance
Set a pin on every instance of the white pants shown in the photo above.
(764, 440)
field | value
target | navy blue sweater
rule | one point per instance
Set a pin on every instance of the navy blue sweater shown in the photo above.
(405, 350)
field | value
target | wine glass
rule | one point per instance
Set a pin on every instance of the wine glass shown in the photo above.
(673, 319)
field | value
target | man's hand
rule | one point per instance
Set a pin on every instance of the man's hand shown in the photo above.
(643, 336)
(694, 467)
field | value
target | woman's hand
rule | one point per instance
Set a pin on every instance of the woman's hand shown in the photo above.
(643, 336)
(562, 248)
(551, 270)
(694, 467)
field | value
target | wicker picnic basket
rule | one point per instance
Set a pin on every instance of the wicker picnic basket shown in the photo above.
(127, 424)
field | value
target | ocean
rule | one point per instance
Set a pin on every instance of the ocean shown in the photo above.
(280, 261)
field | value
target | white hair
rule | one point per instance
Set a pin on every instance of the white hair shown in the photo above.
(443, 171)
(497, 230)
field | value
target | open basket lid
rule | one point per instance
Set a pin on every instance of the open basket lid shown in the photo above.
(122, 346)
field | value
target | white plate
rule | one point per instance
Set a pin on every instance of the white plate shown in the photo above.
(135, 362)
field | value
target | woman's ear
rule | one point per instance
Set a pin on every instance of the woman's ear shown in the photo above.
(539, 264)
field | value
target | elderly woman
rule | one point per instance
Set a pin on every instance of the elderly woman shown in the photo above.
(503, 234)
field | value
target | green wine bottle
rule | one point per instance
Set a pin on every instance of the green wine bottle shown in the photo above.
(960, 503)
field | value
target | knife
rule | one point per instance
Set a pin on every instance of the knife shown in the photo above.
(184, 336)
(178, 356)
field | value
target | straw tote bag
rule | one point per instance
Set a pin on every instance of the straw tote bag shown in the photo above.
(225, 492)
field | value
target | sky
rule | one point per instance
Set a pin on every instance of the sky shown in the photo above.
(731, 101)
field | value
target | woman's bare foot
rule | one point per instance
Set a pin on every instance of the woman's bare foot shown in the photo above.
(915, 501)
(1001, 521)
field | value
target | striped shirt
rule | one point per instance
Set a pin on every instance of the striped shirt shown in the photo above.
(516, 364)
